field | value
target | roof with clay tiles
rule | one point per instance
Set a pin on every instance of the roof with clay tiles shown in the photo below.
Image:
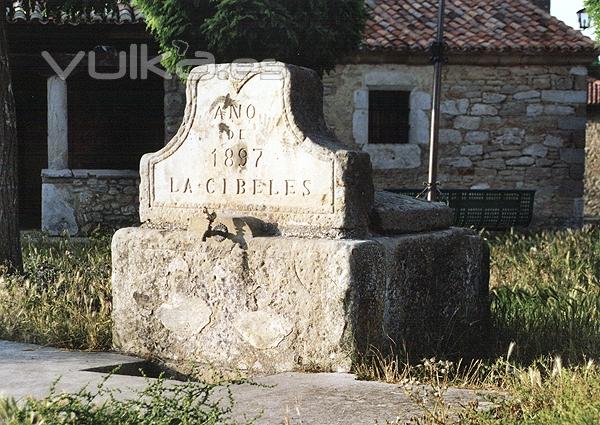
(406, 26)
(35, 11)
(471, 26)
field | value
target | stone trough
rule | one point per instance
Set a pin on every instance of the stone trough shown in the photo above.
(265, 249)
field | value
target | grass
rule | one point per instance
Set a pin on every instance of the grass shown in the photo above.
(545, 293)
(546, 298)
(63, 298)
(546, 393)
(191, 403)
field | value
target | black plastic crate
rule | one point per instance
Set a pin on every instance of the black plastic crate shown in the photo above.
(486, 209)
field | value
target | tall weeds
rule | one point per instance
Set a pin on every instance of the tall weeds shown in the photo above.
(546, 294)
(63, 298)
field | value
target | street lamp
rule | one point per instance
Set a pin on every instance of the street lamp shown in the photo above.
(438, 58)
(584, 19)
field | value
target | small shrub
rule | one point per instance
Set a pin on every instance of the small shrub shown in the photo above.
(159, 404)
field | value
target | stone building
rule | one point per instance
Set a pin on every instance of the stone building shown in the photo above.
(514, 101)
(81, 139)
(514, 108)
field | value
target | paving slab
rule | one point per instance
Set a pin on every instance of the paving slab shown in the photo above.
(290, 398)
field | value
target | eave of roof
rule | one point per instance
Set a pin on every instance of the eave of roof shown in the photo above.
(35, 12)
(472, 26)
(400, 27)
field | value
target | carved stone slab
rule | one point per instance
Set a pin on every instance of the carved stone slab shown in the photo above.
(254, 143)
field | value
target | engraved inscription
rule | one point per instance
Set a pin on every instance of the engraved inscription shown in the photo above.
(230, 157)
(241, 154)
(282, 188)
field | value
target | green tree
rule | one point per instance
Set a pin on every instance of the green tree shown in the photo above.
(311, 33)
(592, 7)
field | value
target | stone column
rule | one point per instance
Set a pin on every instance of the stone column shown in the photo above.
(58, 134)
(58, 211)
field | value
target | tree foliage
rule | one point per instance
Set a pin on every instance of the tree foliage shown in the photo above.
(311, 33)
(592, 7)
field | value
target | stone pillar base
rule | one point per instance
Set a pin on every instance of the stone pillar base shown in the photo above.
(284, 304)
(77, 202)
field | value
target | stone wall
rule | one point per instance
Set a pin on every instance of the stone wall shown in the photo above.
(174, 107)
(78, 201)
(510, 127)
(592, 164)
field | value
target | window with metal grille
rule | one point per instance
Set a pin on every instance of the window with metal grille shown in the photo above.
(389, 112)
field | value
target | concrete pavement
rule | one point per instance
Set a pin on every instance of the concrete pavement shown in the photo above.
(290, 398)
